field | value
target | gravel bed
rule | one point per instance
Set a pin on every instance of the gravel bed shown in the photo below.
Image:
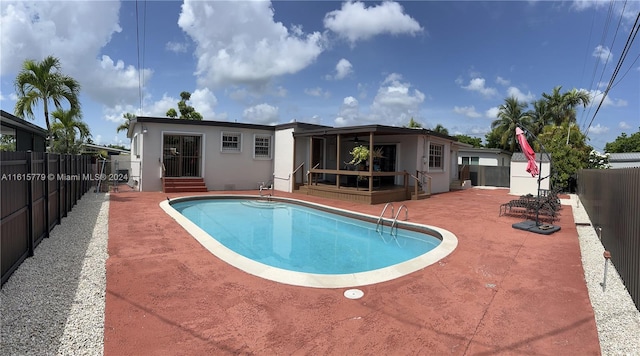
(54, 303)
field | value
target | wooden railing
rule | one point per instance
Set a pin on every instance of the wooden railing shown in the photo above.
(463, 173)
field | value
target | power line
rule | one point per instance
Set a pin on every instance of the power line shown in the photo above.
(140, 49)
(602, 43)
(625, 51)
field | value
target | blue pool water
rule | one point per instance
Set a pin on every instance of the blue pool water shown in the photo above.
(303, 239)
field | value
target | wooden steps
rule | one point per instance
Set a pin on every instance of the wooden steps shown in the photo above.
(183, 185)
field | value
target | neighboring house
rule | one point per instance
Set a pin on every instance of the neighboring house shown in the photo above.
(624, 160)
(238, 156)
(27, 136)
(522, 182)
(485, 166)
(491, 157)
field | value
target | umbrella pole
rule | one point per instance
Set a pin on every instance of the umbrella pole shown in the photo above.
(538, 200)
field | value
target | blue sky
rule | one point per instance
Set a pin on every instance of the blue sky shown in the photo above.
(334, 63)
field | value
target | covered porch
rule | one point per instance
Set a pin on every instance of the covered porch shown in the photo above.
(383, 177)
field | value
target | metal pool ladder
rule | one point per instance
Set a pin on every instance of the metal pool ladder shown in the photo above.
(395, 219)
(381, 218)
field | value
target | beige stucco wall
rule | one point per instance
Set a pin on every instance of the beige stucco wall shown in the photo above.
(221, 171)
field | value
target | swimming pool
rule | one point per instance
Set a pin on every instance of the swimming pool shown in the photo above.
(301, 243)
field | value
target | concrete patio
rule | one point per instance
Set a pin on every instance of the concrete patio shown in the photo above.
(502, 291)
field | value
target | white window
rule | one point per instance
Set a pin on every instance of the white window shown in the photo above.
(231, 142)
(435, 155)
(473, 161)
(262, 146)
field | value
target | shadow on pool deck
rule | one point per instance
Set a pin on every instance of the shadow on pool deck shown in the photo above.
(502, 291)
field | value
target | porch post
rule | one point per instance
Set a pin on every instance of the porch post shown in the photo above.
(338, 137)
(371, 161)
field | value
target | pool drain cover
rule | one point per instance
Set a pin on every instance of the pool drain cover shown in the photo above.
(353, 293)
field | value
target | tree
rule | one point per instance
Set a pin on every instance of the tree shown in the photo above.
(566, 160)
(66, 127)
(475, 141)
(493, 140)
(510, 114)
(539, 116)
(125, 125)
(562, 106)
(414, 124)
(624, 143)
(42, 82)
(186, 111)
(7, 143)
(440, 129)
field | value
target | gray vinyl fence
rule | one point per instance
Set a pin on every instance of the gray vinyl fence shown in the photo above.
(611, 197)
(37, 190)
(489, 176)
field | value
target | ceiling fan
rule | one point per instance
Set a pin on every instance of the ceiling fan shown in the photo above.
(357, 141)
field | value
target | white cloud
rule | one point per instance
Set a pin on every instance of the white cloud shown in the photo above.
(261, 114)
(469, 111)
(240, 43)
(478, 85)
(598, 129)
(317, 92)
(395, 103)
(203, 101)
(356, 22)
(38, 29)
(623, 125)
(343, 69)
(596, 97)
(492, 113)
(502, 81)
(349, 113)
(602, 53)
(176, 47)
(515, 92)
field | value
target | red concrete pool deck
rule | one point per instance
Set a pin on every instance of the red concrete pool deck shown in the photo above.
(501, 292)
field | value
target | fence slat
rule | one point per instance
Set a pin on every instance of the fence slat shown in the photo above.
(611, 197)
(35, 197)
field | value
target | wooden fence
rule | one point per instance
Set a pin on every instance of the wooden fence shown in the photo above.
(37, 190)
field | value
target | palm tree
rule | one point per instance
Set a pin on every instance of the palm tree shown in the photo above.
(125, 125)
(68, 123)
(510, 115)
(562, 106)
(42, 82)
(539, 116)
(441, 129)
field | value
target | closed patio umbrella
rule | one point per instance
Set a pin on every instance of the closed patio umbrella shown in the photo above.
(532, 167)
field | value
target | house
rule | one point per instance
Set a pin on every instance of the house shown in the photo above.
(292, 157)
(485, 166)
(521, 181)
(488, 157)
(624, 160)
(27, 136)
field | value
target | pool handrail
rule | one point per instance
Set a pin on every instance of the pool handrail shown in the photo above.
(395, 219)
(380, 219)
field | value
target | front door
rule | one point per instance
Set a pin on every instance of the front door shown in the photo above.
(181, 155)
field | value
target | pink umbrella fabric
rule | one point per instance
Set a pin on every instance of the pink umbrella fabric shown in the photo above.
(532, 167)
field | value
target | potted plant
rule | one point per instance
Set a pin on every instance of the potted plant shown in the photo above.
(360, 155)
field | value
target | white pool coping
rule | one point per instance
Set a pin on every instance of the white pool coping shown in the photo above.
(446, 247)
